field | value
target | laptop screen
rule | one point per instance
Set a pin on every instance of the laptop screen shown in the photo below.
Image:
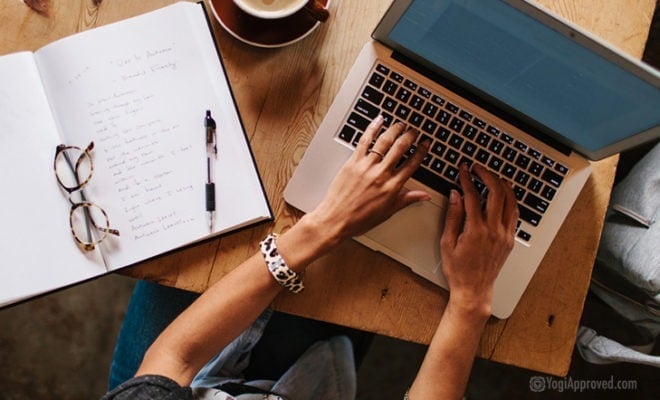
(526, 65)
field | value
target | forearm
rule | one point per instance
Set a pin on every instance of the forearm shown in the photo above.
(446, 368)
(228, 307)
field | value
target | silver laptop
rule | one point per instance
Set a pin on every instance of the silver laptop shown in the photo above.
(500, 83)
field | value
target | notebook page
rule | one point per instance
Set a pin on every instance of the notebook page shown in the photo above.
(139, 88)
(34, 213)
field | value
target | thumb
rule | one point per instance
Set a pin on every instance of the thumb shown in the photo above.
(408, 197)
(453, 219)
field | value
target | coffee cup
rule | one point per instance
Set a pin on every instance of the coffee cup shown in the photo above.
(275, 9)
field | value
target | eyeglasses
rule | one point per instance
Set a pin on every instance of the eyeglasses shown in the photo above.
(89, 223)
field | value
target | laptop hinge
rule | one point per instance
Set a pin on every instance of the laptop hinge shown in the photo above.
(483, 103)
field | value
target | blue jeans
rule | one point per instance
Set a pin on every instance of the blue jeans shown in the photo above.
(279, 349)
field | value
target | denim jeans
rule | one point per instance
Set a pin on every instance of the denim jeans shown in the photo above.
(296, 357)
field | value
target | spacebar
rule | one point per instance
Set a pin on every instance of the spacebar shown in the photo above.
(434, 181)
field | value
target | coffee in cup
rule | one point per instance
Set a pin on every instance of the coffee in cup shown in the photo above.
(273, 9)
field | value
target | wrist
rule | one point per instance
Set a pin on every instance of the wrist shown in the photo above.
(475, 309)
(309, 239)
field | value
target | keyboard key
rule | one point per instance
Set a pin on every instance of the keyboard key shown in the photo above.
(396, 76)
(438, 148)
(493, 130)
(522, 161)
(390, 87)
(483, 139)
(470, 131)
(358, 121)
(434, 181)
(522, 178)
(443, 117)
(443, 134)
(482, 156)
(504, 136)
(510, 154)
(367, 108)
(427, 160)
(387, 119)
(438, 100)
(456, 124)
(403, 94)
(552, 178)
(465, 115)
(376, 79)
(469, 148)
(402, 112)
(548, 161)
(509, 171)
(562, 169)
(438, 165)
(430, 109)
(424, 92)
(495, 163)
(529, 216)
(372, 95)
(534, 153)
(453, 108)
(452, 156)
(429, 127)
(417, 102)
(535, 185)
(382, 69)
(455, 141)
(416, 119)
(524, 235)
(496, 146)
(519, 192)
(451, 173)
(548, 193)
(480, 123)
(410, 85)
(389, 104)
(356, 139)
(346, 133)
(521, 146)
(536, 168)
(536, 203)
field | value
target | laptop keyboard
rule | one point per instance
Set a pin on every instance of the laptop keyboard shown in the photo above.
(457, 136)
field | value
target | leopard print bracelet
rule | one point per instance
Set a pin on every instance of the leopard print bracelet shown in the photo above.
(277, 266)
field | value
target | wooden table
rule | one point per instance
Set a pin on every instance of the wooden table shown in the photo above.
(282, 95)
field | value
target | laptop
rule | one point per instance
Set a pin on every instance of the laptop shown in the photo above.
(505, 84)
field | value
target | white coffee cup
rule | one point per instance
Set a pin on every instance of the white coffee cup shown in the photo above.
(274, 9)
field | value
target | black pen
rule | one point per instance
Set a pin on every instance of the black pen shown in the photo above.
(211, 153)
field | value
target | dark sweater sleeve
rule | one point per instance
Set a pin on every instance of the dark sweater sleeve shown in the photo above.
(149, 387)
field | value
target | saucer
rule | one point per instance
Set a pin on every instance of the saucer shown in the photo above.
(263, 32)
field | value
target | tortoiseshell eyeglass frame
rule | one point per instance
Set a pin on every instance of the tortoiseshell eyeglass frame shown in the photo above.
(61, 151)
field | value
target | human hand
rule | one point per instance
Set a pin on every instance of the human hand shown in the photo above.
(477, 240)
(369, 187)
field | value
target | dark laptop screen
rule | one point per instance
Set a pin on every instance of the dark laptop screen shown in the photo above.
(530, 67)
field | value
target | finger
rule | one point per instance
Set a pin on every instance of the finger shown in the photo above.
(410, 166)
(496, 195)
(369, 136)
(511, 212)
(408, 197)
(400, 146)
(470, 196)
(386, 140)
(454, 219)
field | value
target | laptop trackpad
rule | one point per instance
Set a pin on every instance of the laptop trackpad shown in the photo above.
(412, 236)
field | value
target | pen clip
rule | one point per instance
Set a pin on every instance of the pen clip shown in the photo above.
(210, 125)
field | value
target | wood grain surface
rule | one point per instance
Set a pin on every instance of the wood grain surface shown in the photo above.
(283, 95)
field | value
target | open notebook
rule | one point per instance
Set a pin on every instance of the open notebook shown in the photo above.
(138, 89)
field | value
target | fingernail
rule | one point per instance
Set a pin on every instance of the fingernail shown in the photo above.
(453, 197)
(376, 121)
